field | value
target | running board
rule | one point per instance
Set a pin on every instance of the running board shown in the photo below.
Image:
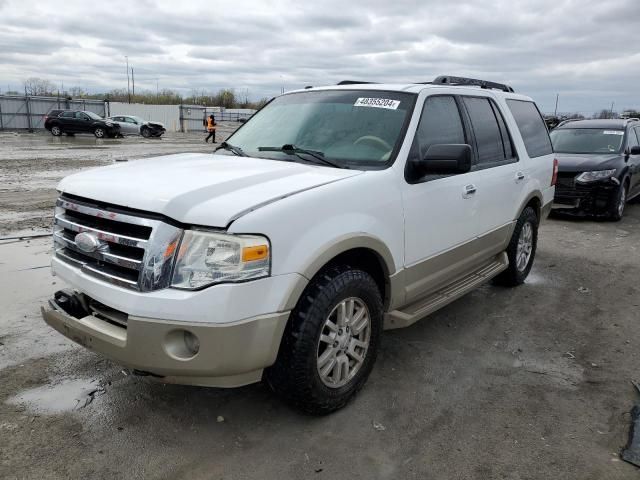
(447, 294)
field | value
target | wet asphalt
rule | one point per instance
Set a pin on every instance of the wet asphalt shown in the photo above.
(525, 383)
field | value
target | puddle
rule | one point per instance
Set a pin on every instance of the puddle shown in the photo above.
(65, 396)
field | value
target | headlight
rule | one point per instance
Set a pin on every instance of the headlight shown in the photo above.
(108, 124)
(206, 258)
(587, 177)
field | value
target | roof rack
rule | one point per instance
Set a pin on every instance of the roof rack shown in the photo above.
(352, 82)
(463, 81)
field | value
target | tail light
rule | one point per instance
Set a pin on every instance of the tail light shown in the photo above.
(45, 117)
(554, 177)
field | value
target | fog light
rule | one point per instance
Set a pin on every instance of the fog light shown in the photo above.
(181, 344)
(191, 342)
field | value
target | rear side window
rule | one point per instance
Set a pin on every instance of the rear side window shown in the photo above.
(67, 114)
(532, 127)
(440, 123)
(492, 139)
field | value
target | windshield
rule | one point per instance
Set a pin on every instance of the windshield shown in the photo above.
(94, 116)
(137, 119)
(351, 128)
(587, 140)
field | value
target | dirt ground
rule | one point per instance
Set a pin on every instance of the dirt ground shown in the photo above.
(528, 383)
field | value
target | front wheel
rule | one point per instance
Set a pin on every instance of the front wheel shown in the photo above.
(99, 132)
(56, 131)
(618, 204)
(521, 250)
(146, 133)
(330, 343)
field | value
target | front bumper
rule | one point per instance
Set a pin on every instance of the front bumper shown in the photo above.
(229, 355)
(585, 199)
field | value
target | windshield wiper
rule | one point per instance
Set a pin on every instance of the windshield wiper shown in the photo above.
(293, 150)
(232, 148)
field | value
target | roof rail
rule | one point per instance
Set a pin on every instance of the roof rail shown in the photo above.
(463, 81)
(352, 82)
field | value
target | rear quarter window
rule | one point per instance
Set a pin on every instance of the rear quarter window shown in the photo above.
(532, 127)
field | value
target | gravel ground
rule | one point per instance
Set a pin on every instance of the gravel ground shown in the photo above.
(529, 383)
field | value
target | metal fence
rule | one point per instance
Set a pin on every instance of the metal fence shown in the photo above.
(194, 117)
(27, 112)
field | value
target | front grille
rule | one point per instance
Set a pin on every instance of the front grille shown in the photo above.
(132, 251)
(566, 191)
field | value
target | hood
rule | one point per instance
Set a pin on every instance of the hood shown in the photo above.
(199, 188)
(569, 162)
(155, 124)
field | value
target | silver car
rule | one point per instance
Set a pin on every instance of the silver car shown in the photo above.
(132, 125)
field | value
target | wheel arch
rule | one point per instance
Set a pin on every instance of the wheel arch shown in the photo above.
(533, 200)
(363, 251)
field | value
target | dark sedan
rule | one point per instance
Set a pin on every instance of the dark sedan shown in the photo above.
(598, 166)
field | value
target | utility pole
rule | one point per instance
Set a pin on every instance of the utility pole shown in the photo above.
(157, 91)
(128, 92)
(611, 111)
(555, 112)
(133, 85)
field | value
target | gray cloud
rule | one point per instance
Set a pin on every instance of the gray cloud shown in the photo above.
(583, 50)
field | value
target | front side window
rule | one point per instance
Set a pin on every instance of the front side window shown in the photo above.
(632, 139)
(93, 116)
(440, 123)
(487, 132)
(66, 115)
(81, 116)
(587, 140)
(354, 128)
(532, 127)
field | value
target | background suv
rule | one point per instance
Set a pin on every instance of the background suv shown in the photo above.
(79, 121)
(598, 166)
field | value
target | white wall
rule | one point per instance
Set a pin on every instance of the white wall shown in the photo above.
(169, 115)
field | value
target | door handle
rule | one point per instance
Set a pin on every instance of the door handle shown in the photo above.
(469, 190)
(519, 176)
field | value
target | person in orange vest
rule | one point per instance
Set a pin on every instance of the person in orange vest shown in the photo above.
(211, 127)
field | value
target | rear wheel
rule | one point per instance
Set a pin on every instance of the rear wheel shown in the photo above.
(99, 132)
(331, 342)
(56, 131)
(616, 210)
(521, 250)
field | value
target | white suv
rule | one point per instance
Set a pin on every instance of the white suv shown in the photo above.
(334, 213)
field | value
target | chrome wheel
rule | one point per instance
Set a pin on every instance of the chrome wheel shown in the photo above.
(525, 246)
(99, 133)
(55, 131)
(622, 200)
(344, 341)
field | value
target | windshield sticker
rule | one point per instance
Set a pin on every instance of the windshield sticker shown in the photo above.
(613, 132)
(378, 103)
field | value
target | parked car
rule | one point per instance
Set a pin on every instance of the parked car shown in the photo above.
(132, 125)
(79, 121)
(598, 166)
(353, 208)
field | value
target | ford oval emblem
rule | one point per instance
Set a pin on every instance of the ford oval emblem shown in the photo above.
(88, 242)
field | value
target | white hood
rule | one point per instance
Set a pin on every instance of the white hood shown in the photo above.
(199, 188)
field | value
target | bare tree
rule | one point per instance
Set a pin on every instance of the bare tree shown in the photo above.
(38, 86)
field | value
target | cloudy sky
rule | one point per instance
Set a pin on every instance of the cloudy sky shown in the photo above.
(585, 50)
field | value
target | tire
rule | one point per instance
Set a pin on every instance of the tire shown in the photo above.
(519, 265)
(56, 131)
(616, 209)
(146, 133)
(99, 132)
(309, 342)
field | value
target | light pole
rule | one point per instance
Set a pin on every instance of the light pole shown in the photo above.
(128, 91)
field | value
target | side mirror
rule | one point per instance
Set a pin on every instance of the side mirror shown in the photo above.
(635, 150)
(446, 159)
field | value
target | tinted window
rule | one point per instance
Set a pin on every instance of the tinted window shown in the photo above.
(509, 151)
(532, 127)
(486, 130)
(66, 115)
(632, 139)
(81, 116)
(440, 123)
